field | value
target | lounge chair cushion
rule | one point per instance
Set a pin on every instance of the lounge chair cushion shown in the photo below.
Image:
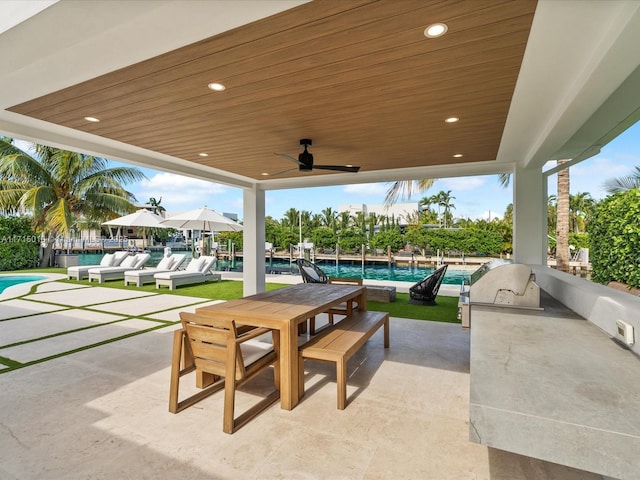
(312, 273)
(195, 265)
(165, 263)
(107, 260)
(129, 262)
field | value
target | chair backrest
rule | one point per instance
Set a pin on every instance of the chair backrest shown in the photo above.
(208, 263)
(427, 288)
(310, 272)
(141, 260)
(209, 337)
(178, 259)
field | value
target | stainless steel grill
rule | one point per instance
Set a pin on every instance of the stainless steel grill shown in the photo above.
(498, 283)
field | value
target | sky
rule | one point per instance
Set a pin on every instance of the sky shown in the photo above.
(475, 197)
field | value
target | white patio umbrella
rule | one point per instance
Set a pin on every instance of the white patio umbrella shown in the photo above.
(141, 218)
(203, 219)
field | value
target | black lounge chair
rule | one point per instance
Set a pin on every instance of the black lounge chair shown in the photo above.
(310, 272)
(424, 292)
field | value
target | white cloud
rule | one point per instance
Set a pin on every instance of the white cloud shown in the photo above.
(366, 189)
(462, 183)
(600, 167)
(179, 192)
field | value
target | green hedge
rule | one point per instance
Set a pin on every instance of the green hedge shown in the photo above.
(19, 245)
(470, 241)
(614, 238)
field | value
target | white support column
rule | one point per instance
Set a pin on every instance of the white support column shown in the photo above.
(253, 241)
(529, 217)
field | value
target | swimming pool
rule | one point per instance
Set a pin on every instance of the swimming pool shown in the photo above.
(369, 272)
(7, 281)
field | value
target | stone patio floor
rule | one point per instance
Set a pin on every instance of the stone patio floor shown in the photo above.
(100, 410)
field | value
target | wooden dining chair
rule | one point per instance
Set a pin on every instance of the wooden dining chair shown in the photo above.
(221, 357)
(344, 308)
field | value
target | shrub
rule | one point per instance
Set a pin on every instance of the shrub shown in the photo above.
(391, 237)
(614, 237)
(19, 245)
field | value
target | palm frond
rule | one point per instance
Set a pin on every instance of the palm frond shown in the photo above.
(406, 188)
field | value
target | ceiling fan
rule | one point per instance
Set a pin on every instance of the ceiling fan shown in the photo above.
(305, 161)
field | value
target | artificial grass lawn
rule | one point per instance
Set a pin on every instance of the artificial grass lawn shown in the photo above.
(445, 310)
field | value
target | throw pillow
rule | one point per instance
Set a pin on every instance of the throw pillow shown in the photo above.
(195, 265)
(165, 263)
(107, 260)
(312, 273)
(129, 262)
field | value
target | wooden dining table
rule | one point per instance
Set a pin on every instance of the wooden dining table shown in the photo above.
(283, 309)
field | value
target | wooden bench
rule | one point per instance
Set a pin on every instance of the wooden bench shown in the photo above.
(340, 343)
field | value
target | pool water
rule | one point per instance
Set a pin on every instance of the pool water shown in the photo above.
(369, 272)
(7, 281)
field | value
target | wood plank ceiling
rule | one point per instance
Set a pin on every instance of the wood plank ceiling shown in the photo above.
(357, 77)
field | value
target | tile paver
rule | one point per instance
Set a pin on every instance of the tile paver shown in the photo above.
(44, 324)
(86, 297)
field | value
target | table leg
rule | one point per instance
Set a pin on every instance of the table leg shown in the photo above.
(289, 366)
(362, 300)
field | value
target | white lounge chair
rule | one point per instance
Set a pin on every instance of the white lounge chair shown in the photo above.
(167, 264)
(109, 260)
(197, 271)
(133, 262)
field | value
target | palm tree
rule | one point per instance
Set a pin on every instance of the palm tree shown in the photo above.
(61, 188)
(329, 218)
(402, 188)
(622, 184)
(562, 219)
(290, 218)
(156, 207)
(581, 207)
(444, 200)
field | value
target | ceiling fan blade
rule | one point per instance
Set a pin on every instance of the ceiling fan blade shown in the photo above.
(283, 172)
(288, 157)
(338, 168)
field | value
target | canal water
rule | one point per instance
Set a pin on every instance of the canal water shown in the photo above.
(368, 272)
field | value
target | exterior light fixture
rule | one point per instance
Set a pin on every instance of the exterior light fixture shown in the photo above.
(92, 119)
(435, 30)
(216, 87)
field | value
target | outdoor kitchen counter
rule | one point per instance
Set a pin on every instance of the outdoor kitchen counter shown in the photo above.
(551, 385)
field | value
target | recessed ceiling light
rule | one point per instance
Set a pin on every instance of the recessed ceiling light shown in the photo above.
(217, 87)
(435, 30)
(92, 119)
(203, 154)
(264, 174)
(457, 155)
(452, 119)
